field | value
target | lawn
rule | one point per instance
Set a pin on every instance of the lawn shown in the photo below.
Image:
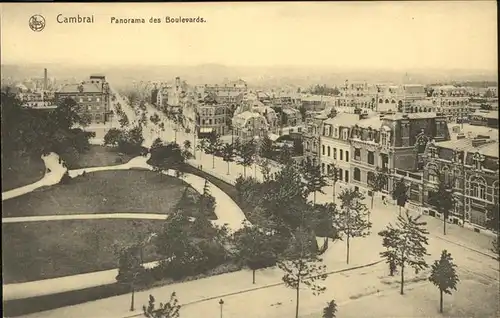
(106, 192)
(98, 156)
(21, 171)
(24, 170)
(40, 250)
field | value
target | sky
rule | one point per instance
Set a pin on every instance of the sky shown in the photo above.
(359, 35)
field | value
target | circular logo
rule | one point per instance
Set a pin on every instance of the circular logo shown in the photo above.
(37, 23)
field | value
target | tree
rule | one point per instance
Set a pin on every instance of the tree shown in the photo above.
(266, 170)
(266, 147)
(333, 175)
(214, 145)
(377, 182)
(247, 154)
(285, 155)
(298, 147)
(406, 243)
(207, 201)
(254, 248)
(351, 220)
(186, 151)
(202, 145)
(400, 193)
(442, 199)
(444, 276)
(168, 310)
(330, 311)
(303, 112)
(228, 154)
(302, 266)
(113, 136)
(129, 270)
(124, 122)
(314, 179)
(165, 156)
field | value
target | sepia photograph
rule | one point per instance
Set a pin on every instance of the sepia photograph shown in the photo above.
(332, 159)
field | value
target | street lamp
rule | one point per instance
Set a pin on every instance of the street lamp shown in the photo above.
(221, 303)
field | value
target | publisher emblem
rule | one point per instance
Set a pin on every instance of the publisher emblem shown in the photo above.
(37, 23)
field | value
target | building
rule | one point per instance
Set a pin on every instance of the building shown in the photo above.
(210, 114)
(315, 102)
(357, 95)
(450, 100)
(335, 145)
(472, 167)
(247, 125)
(311, 139)
(484, 118)
(93, 95)
(394, 142)
(238, 86)
(291, 117)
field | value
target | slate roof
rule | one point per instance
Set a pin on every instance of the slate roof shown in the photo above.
(489, 149)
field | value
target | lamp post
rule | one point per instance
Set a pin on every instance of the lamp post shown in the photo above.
(221, 303)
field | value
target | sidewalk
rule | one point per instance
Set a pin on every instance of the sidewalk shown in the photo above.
(195, 293)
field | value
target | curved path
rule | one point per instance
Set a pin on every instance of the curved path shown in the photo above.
(227, 212)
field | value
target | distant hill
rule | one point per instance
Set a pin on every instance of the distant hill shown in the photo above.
(261, 76)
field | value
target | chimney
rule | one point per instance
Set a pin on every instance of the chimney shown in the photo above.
(44, 79)
(177, 82)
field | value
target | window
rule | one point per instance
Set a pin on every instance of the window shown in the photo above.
(371, 158)
(81, 100)
(89, 107)
(357, 174)
(90, 99)
(345, 135)
(328, 151)
(98, 99)
(357, 154)
(334, 153)
(336, 132)
(340, 174)
(478, 189)
(347, 176)
(323, 150)
(323, 168)
(347, 156)
(341, 153)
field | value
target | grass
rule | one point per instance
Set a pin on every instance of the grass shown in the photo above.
(21, 171)
(35, 250)
(125, 191)
(98, 156)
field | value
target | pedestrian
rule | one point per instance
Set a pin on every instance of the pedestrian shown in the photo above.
(383, 200)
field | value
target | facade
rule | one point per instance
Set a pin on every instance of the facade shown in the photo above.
(93, 95)
(472, 167)
(395, 143)
(291, 117)
(357, 95)
(212, 114)
(452, 101)
(315, 102)
(311, 139)
(238, 86)
(335, 145)
(248, 125)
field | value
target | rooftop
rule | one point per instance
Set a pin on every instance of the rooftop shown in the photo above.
(343, 119)
(87, 88)
(490, 148)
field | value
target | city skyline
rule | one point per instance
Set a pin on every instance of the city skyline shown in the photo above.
(394, 36)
